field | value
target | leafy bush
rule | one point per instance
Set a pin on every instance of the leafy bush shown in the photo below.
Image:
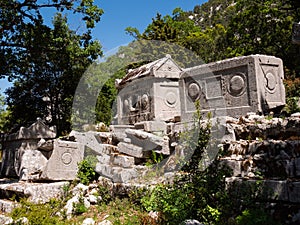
(86, 170)
(79, 206)
(255, 217)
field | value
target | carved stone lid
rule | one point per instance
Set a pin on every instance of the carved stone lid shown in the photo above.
(163, 68)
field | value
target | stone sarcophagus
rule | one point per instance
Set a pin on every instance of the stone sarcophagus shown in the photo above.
(233, 87)
(149, 92)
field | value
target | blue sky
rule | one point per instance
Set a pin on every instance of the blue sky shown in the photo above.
(118, 15)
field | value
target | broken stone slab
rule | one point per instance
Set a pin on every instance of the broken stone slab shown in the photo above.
(35, 192)
(95, 141)
(37, 130)
(32, 165)
(45, 145)
(63, 163)
(149, 141)
(116, 174)
(133, 150)
(118, 132)
(152, 126)
(122, 160)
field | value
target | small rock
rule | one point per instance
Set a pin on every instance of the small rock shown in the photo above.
(297, 114)
(94, 191)
(92, 199)
(80, 189)
(153, 215)
(88, 221)
(191, 222)
(105, 222)
(6, 220)
(23, 221)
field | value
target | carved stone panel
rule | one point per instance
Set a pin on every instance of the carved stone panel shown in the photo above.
(233, 87)
(62, 164)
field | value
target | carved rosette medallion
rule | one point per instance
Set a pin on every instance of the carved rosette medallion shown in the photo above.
(194, 91)
(171, 99)
(237, 85)
(270, 82)
(66, 158)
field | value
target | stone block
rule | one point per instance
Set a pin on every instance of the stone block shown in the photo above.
(297, 167)
(118, 131)
(133, 150)
(122, 160)
(116, 174)
(7, 206)
(233, 87)
(152, 126)
(93, 140)
(44, 192)
(34, 192)
(235, 166)
(32, 164)
(270, 190)
(62, 164)
(294, 192)
(149, 141)
(103, 159)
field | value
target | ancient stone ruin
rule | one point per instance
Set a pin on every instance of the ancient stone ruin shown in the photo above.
(155, 103)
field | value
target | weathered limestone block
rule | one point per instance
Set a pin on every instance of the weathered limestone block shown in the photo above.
(233, 87)
(44, 192)
(118, 132)
(35, 192)
(148, 141)
(116, 174)
(62, 164)
(294, 192)
(32, 165)
(122, 160)
(7, 206)
(266, 189)
(235, 166)
(133, 150)
(96, 141)
(16, 144)
(151, 126)
(103, 159)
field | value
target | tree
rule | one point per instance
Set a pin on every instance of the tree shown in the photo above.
(49, 72)
(18, 17)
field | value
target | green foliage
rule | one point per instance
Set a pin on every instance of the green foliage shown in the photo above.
(39, 214)
(86, 170)
(79, 206)
(255, 217)
(154, 159)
